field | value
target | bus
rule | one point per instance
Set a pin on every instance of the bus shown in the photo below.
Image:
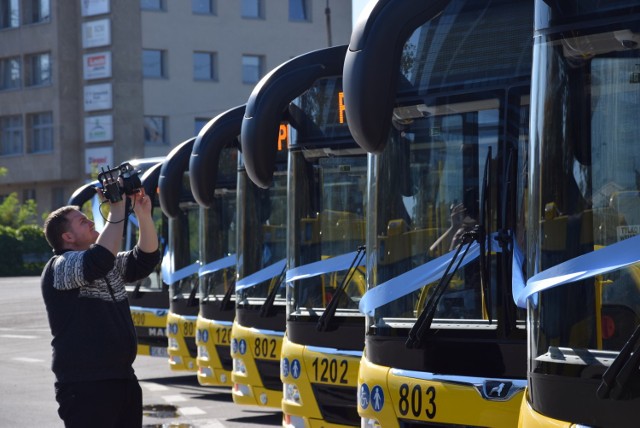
(323, 340)
(258, 326)
(148, 298)
(581, 252)
(180, 262)
(213, 169)
(438, 93)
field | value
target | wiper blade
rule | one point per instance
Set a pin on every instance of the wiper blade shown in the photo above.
(265, 311)
(225, 303)
(192, 300)
(422, 326)
(617, 379)
(329, 312)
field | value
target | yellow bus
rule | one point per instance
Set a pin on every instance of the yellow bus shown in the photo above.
(438, 93)
(258, 327)
(213, 170)
(581, 254)
(326, 199)
(180, 263)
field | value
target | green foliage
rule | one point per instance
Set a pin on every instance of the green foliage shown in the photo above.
(23, 248)
(14, 214)
(10, 256)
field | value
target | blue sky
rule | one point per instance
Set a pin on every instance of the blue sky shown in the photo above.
(357, 5)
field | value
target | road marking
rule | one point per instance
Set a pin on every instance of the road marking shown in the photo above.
(174, 398)
(27, 360)
(191, 411)
(25, 329)
(150, 386)
(211, 424)
(18, 336)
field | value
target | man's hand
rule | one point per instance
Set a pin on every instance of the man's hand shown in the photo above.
(142, 207)
(141, 203)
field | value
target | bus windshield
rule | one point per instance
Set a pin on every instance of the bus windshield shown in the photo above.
(589, 192)
(440, 182)
(218, 227)
(184, 230)
(332, 196)
(262, 241)
(327, 201)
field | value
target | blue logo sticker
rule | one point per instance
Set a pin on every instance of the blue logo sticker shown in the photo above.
(242, 346)
(364, 396)
(205, 335)
(173, 328)
(295, 369)
(234, 346)
(377, 398)
(285, 367)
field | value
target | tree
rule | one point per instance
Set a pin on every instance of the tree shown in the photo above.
(14, 214)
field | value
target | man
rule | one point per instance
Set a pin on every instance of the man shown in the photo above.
(94, 340)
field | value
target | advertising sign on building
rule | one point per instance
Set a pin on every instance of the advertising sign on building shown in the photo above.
(96, 65)
(97, 97)
(96, 33)
(94, 7)
(98, 128)
(97, 157)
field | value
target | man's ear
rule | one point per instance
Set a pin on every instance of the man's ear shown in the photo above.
(68, 237)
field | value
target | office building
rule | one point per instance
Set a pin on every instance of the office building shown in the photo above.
(89, 83)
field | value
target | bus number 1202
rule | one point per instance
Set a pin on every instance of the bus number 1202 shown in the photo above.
(330, 370)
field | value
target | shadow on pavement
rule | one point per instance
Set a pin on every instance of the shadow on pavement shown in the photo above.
(262, 419)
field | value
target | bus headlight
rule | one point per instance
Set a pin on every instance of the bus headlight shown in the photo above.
(238, 366)
(291, 393)
(369, 423)
(205, 372)
(172, 343)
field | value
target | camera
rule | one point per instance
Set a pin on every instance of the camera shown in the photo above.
(123, 179)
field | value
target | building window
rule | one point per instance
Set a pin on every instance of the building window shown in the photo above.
(57, 198)
(41, 132)
(36, 11)
(155, 130)
(152, 4)
(199, 123)
(28, 195)
(153, 63)
(252, 9)
(299, 10)
(11, 135)
(252, 66)
(9, 14)
(10, 73)
(204, 66)
(203, 7)
(38, 69)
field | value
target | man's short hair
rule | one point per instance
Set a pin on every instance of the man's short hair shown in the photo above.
(56, 224)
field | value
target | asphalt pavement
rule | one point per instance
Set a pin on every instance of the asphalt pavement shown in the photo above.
(171, 399)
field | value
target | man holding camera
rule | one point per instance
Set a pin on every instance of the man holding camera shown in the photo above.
(94, 340)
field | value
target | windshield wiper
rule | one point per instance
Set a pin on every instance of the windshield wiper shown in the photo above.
(193, 300)
(617, 379)
(422, 326)
(329, 312)
(225, 303)
(265, 311)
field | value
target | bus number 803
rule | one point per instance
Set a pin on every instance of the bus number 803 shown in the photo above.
(411, 400)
